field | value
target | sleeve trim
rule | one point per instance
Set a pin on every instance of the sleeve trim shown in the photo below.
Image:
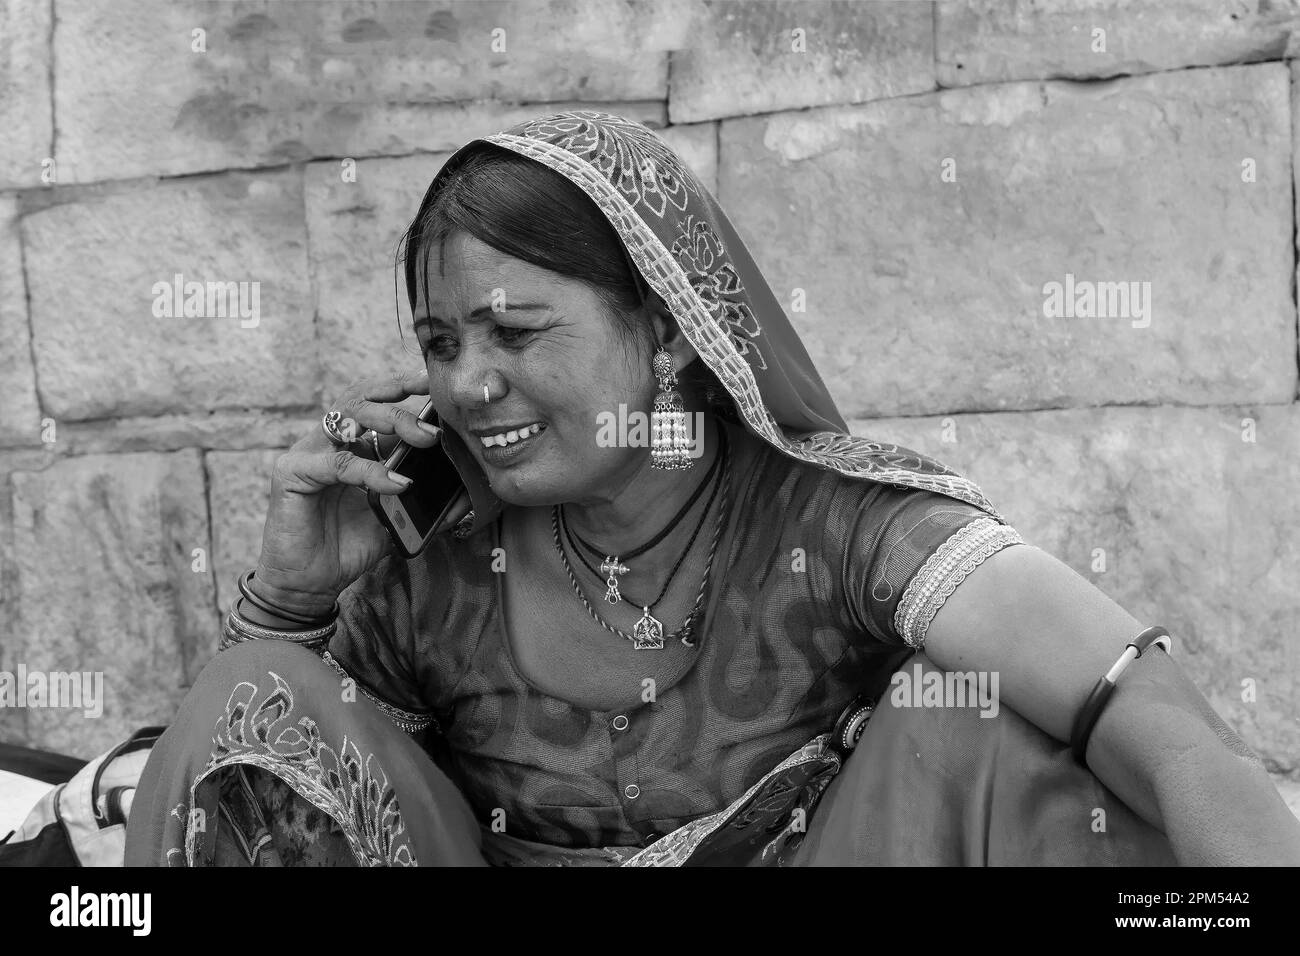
(964, 551)
(407, 720)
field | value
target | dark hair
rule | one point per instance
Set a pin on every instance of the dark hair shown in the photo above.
(527, 211)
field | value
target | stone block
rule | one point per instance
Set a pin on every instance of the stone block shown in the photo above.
(760, 57)
(20, 416)
(26, 109)
(102, 581)
(988, 41)
(268, 83)
(109, 317)
(929, 234)
(239, 489)
(365, 321)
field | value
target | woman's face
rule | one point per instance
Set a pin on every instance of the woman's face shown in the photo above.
(550, 355)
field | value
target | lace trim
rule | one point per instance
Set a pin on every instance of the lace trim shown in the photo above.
(259, 729)
(408, 720)
(964, 551)
(675, 848)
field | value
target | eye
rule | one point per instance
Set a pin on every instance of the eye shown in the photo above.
(441, 347)
(509, 335)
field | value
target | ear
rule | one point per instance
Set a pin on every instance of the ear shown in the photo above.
(668, 333)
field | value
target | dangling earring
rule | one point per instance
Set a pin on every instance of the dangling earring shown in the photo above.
(669, 445)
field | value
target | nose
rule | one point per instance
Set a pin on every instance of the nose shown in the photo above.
(468, 374)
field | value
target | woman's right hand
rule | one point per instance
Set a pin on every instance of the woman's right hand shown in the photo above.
(320, 534)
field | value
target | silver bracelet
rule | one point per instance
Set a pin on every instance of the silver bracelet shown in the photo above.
(238, 629)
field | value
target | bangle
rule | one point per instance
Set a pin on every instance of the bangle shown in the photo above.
(1091, 709)
(237, 629)
(262, 604)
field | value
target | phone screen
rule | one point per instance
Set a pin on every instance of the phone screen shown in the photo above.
(434, 482)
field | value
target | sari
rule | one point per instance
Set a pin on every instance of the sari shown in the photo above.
(927, 785)
(922, 787)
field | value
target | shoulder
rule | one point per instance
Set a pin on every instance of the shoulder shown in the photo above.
(861, 502)
(903, 549)
(893, 552)
(910, 550)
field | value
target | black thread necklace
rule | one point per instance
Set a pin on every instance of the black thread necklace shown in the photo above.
(614, 565)
(569, 535)
(648, 632)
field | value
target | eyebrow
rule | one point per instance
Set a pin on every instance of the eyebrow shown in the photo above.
(427, 319)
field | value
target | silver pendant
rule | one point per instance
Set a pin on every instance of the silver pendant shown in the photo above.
(648, 633)
(613, 568)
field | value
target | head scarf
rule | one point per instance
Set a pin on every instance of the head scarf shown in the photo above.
(687, 251)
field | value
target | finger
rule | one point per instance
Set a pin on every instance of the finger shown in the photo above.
(316, 439)
(401, 385)
(391, 420)
(396, 387)
(461, 508)
(366, 445)
(392, 388)
(307, 473)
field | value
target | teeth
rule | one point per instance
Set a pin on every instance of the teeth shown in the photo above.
(510, 437)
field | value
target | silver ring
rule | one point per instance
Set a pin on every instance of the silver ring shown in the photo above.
(330, 425)
(486, 398)
(372, 436)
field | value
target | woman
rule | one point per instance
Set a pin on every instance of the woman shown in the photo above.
(662, 656)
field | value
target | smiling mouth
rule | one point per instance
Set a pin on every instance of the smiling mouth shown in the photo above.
(512, 437)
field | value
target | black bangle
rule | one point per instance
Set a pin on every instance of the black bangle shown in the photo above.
(1087, 716)
(264, 605)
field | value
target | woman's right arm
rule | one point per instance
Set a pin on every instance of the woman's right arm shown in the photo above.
(320, 534)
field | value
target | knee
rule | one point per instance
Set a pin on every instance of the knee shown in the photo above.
(255, 660)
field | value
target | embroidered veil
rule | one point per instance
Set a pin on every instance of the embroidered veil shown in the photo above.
(688, 252)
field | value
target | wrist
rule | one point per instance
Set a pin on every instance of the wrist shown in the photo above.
(1220, 808)
(266, 590)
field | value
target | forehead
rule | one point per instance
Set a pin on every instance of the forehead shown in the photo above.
(467, 269)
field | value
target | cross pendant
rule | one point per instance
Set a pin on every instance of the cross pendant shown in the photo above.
(613, 568)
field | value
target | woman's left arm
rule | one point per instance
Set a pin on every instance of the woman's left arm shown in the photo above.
(1158, 745)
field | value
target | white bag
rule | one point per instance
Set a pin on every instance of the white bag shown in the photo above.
(92, 807)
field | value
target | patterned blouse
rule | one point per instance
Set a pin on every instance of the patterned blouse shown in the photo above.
(795, 626)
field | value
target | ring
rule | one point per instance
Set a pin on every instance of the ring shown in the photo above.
(372, 436)
(486, 399)
(330, 424)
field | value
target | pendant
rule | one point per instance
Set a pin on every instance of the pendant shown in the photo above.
(611, 566)
(649, 633)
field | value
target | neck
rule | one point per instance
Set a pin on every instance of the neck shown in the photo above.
(643, 502)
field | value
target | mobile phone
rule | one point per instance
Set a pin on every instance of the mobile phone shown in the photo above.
(436, 498)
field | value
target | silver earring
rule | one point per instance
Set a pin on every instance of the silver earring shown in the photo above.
(670, 448)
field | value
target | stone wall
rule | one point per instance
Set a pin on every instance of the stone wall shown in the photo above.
(911, 176)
